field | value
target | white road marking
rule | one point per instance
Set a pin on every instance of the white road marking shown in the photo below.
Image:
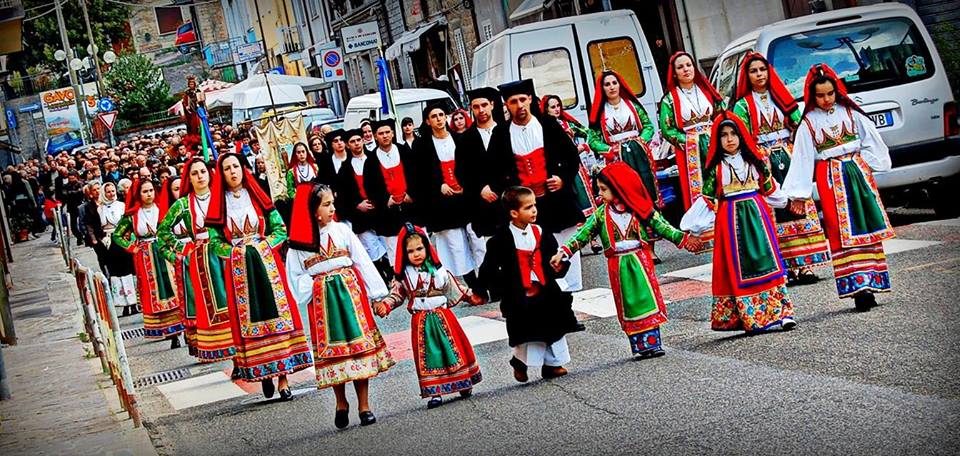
(595, 301)
(204, 389)
(904, 245)
(482, 330)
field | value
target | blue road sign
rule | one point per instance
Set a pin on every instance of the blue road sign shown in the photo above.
(27, 108)
(11, 119)
(105, 105)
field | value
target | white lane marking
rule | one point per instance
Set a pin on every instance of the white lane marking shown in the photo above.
(595, 301)
(703, 273)
(947, 222)
(482, 330)
(200, 390)
(904, 245)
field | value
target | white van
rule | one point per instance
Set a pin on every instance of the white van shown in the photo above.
(891, 68)
(253, 102)
(409, 103)
(565, 56)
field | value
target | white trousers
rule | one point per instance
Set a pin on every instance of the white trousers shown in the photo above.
(478, 246)
(372, 244)
(573, 281)
(536, 354)
(453, 248)
(390, 242)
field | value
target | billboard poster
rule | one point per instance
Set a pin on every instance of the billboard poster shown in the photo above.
(60, 109)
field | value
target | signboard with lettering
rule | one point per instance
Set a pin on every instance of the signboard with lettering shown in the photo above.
(249, 52)
(60, 111)
(361, 37)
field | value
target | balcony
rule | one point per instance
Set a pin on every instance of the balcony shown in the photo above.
(222, 53)
(289, 40)
(11, 26)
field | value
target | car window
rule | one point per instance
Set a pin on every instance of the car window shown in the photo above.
(867, 56)
(488, 64)
(552, 74)
(726, 81)
(620, 55)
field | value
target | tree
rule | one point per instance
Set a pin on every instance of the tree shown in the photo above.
(41, 36)
(137, 86)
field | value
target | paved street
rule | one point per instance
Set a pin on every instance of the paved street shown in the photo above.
(882, 382)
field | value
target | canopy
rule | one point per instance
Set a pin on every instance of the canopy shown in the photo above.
(208, 87)
(410, 41)
(255, 97)
(529, 7)
(225, 98)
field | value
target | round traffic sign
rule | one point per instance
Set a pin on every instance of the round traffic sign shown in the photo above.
(105, 105)
(331, 58)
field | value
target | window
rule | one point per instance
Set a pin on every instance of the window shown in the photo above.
(168, 19)
(620, 55)
(312, 8)
(552, 74)
(462, 56)
(486, 30)
(867, 56)
(726, 80)
(488, 63)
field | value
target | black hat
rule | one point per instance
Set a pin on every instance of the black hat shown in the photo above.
(388, 122)
(523, 86)
(351, 133)
(435, 104)
(484, 92)
(331, 135)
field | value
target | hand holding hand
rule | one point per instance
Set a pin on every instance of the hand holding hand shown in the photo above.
(797, 207)
(554, 183)
(556, 262)
(488, 195)
(694, 243)
(381, 309)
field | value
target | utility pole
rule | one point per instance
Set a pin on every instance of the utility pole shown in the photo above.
(81, 109)
(93, 47)
(266, 55)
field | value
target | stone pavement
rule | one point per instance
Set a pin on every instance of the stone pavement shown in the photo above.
(62, 401)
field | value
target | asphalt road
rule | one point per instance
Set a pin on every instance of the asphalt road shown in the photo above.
(882, 382)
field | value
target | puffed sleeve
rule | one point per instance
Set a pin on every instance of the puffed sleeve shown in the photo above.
(301, 283)
(872, 148)
(376, 288)
(123, 234)
(798, 185)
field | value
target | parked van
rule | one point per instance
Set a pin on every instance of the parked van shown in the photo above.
(254, 102)
(565, 56)
(409, 103)
(891, 68)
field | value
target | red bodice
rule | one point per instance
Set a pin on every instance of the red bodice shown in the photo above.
(532, 171)
(448, 168)
(531, 263)
(396, 181)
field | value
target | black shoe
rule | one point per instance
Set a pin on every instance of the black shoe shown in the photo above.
(579, 327)
(807, 277)
(788, 324)
(466, 393)
(792, 277)
(175, 342)
(342, 419)
(367, 418)
(863, 302)
(235, 375)
(652, 353)
(268, 388)
(286, 394)
(434, 402)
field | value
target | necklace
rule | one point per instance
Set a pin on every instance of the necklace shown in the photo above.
(303, 175)
(236, 193)
(695, 100)
(733, 170)
(203, 197)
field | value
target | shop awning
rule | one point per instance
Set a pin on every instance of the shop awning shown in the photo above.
(410, 41)
(528, 8)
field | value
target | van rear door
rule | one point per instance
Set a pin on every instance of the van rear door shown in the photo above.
(549, 57)
(618, 43)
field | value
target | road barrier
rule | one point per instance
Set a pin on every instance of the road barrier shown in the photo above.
(103, 329)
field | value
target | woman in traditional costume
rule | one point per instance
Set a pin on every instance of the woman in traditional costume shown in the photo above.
(686, 114)
(185, 240)
(459, 121)
(749, 276)
(137, 233)
(552, 106)
(169, 194)
(123, 289)
(622, 223)
(840, 146)
(771, 116)
(247, 231)
(302, 168)
(442, 352)
(332, 276)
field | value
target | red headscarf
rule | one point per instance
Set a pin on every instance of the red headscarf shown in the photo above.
(626, 183)
(698, 78)
(600, 97)
(303, 222)
(781, 96)
(405, 232)
(747, 144)
(133, 202)
(293, 156)
(809, 98)
(166, 198)
(564, 115)
(186, 185)
(217, 212)
(466, 117)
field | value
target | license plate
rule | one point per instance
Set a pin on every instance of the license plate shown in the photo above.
(882, 119)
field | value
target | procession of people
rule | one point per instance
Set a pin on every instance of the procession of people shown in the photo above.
(493, 203)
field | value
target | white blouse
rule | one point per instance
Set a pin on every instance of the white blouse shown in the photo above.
(305, 172)
(623, 220)
(415, 278)
(525, 139)
(693, 103)
(147, 218)
(799, 181)
(110, 214)
(241, 214)
(340, 236)
(769, 111)
(446, 148)
(620, 122)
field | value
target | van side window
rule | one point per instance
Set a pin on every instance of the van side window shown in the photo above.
(620, 55)
(726, 82)
(552, 74)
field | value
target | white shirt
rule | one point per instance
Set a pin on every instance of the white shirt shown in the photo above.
(357, 164)
(485, 134)
(415, 278)
(389, 158)
(240, 211)
(525, 240)
(200, 206)
(337, 161)
(147, 218)
(620, 122)
(526, 138)
(446, 148)
(110, 214)
(623, 220)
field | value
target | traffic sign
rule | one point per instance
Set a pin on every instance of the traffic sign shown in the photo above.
(11, 119)
(28, 108)
(331, 63)
(105, 105)
(108, 118)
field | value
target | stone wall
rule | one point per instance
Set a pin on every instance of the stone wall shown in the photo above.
(31, 141)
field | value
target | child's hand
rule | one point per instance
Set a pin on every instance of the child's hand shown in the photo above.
(556, 262)
(797, 207)
(381, 309)
(476, 300)
(694, 243)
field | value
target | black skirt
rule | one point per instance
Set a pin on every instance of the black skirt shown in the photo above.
(119, 262)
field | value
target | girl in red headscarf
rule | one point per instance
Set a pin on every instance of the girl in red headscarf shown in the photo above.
(686, 114)
(442, 352)
(246, 230)
(333, 278)
(771, 116)
(749, 284)
(460, 121)
(137, 233)
(302, 168)
(840, 146)
(185, 241)
(622, 223)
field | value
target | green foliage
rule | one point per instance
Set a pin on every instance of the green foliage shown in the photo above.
(947, 39)
(41, 36)
(137, 86)
(83, 337)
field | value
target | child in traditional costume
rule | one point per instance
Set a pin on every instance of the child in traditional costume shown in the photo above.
(840, 146)
(302, 168)
(443, 354)
(622, 223)
(137, 233)
(749, 276)
(771, 115)
(517, 268)
(246, 230)
(332, 276)
(204, 292)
